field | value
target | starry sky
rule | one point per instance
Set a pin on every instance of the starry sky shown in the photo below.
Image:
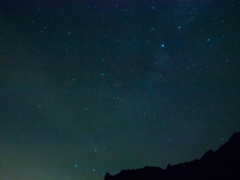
(90, 87)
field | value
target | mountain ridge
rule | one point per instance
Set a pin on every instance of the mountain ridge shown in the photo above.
(222, 164)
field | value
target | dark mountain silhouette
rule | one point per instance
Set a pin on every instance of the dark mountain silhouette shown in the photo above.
(222, 164)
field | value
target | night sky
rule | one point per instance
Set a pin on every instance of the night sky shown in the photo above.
(90, 87)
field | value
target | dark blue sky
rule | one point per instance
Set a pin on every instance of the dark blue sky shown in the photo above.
(91, 87)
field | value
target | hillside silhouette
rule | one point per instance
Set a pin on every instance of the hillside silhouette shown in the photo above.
(222, 164)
